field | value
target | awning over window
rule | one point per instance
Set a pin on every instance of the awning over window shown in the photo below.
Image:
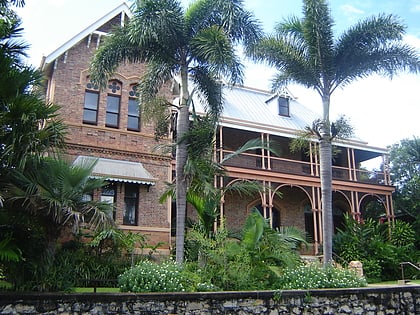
(117, 170)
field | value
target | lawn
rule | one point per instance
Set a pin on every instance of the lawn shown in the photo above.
(98, 290)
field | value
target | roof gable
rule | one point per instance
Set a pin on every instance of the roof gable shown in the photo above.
(122, 9)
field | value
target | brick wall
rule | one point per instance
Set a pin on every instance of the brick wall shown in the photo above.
(68, 78)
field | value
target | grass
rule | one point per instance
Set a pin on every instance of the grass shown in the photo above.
(393, 282)
(98, 290)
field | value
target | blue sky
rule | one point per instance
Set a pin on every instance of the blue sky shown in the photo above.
(382, 111)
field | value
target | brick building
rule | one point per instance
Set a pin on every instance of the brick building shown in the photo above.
(106, 124)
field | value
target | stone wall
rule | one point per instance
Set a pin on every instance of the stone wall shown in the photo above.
(373, 301)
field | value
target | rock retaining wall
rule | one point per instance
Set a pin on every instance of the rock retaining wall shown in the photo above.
(373, 301)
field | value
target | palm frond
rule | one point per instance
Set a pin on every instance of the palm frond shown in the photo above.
(238, 23)
(253, 229)
(254, 144)
(211, 47)
(158, 27)
(319, 38)
(374, 45)
(208, 90)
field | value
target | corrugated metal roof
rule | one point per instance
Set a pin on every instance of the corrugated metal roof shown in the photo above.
(117, 170)
(257, 110)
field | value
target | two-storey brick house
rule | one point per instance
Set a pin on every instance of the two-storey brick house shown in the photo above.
(106, 124)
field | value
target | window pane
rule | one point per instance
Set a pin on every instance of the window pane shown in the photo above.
(133, 107)
(131, 201)
(283, 106)
(133, 123)
(89, 116)
(111, 120)
(91, 100)
(113, 104)
(129, 217)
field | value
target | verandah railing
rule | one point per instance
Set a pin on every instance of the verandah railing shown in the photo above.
(282, 165)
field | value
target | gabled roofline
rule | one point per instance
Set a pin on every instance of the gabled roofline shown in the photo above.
(122, 8)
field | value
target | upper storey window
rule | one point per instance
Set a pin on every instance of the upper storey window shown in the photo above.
(90, 108)
(284, 109)
(113, 104)
(133, 119)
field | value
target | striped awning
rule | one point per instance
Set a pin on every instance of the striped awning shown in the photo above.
(117, 170)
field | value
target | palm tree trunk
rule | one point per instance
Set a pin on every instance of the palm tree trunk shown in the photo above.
(325, 155)
(326, 197)
(181, 158)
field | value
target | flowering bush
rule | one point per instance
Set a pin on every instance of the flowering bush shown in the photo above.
(148, 276)
(314, 276)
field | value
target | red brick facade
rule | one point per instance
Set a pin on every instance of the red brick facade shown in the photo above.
(68, 77)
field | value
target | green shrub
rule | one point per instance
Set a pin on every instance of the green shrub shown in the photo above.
(148, 276)
(380, 247)
(314, 276)
(402, 234)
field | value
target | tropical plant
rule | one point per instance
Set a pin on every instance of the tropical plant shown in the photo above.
(196, 45)
(305, 51)
(249, 262)
(405, 175)
(29, 128)
(47, 198)
(380, 247)
(57, 191)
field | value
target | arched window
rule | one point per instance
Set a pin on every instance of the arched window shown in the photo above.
(113, 104)
(90, 107)
(133, 119)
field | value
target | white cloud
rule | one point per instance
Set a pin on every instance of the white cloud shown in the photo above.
(412, 41)
(350, 10)
(415, 8)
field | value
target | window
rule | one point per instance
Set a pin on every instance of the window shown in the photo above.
(283, 103)
(109, 194)
(90, 108)
(133, 121)
(309, 223)
(131, 201)
(113, 104)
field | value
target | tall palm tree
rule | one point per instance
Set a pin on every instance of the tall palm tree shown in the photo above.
(196, 45)
(305, 51)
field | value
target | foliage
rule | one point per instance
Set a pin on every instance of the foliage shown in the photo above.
(314, 276)
(402, 234)
(246, 263)
(86, 260)
(375, 245)
(149, 276)
(8, 250)
(405, 175)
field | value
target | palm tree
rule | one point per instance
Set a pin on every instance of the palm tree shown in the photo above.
(53, 189)
(28, 125)
(305, 51)
(47, 199)
(196, 45)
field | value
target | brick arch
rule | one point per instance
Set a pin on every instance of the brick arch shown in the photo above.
(117, 75)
